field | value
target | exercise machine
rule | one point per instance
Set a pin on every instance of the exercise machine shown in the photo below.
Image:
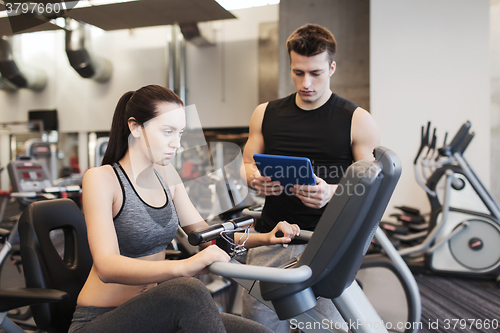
(385, 279)
(30, 182)
(463, 235)
(43, 152)
(100, 149)
(332, 257)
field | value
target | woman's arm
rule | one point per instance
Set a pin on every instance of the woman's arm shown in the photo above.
(99, 193)
(258, 239)
(191, 220)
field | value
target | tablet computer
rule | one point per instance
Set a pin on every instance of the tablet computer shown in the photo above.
(288, 170)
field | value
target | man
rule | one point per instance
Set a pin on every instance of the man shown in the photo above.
(315, 123)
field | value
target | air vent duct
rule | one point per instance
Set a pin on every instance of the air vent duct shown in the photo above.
(198, 33)
(16, 75)
(86, 64)
(6, 85)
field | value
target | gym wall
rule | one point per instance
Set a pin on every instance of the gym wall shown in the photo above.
(430, 60)
(221, 79)
(349, 21)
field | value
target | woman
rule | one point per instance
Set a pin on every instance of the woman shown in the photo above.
(132, 213)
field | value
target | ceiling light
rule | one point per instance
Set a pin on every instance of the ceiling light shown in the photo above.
(240, 4)
(90, 3)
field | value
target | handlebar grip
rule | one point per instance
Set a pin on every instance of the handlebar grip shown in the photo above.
(445, 138)
(441, 150)
(434, 139)
(466, 142)
(432, 145)
(424, 140)
(242, 221)
(212, 232)
(458, 140)
(237, 270)
(254, 211)
(207, 234)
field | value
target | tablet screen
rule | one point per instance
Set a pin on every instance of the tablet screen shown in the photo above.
(289, 170)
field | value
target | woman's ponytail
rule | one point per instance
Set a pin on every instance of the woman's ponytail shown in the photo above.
(118, 136)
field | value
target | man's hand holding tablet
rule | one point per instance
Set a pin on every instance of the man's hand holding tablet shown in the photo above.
(294, 175)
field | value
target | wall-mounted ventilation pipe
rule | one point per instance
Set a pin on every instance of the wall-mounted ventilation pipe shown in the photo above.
(200, 34)
(86, 64)
(6, 85)
(15, 75)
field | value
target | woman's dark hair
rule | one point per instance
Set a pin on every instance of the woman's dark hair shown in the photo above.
(141, 105)
(312, 39)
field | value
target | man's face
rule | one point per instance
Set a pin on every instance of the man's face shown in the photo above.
(311, 76)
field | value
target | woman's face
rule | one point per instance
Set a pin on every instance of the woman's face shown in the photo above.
(162, 134)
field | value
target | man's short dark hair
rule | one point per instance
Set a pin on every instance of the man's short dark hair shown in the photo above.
(310, 40)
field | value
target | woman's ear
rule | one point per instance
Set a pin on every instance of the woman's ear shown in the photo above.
(134, 127)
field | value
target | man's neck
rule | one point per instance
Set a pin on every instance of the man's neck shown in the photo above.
(313, 105)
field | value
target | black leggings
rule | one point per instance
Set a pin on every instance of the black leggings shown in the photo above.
(182, 304)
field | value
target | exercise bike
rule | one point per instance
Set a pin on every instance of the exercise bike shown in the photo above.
(334, 253)
(30, 182)
(463, 235)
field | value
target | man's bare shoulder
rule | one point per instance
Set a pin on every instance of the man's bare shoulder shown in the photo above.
(360, 112)
(257, 118)
(261, 108)
(364, 135)
(363, 120)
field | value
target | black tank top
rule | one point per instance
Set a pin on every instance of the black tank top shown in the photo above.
(323, 135)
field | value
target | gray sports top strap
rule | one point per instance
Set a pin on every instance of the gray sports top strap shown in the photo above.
(141, 228)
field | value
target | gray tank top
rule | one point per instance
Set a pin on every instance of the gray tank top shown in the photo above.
(143, 229)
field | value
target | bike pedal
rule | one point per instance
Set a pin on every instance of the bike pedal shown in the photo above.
(394, 228)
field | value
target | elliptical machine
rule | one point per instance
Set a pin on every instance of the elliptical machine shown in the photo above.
(463, 235)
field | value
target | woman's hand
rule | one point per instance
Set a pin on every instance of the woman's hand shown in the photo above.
(289, 232)
(198, 263)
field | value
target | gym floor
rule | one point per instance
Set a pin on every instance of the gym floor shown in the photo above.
(457, 304)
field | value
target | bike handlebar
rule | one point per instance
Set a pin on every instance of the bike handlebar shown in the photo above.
(236, 270)
(212, 232)
(466, 142)
(424, 140)
(434, 139)
(457, 142)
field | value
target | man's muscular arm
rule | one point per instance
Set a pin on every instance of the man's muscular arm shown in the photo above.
(365, 135)
(255, 145)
